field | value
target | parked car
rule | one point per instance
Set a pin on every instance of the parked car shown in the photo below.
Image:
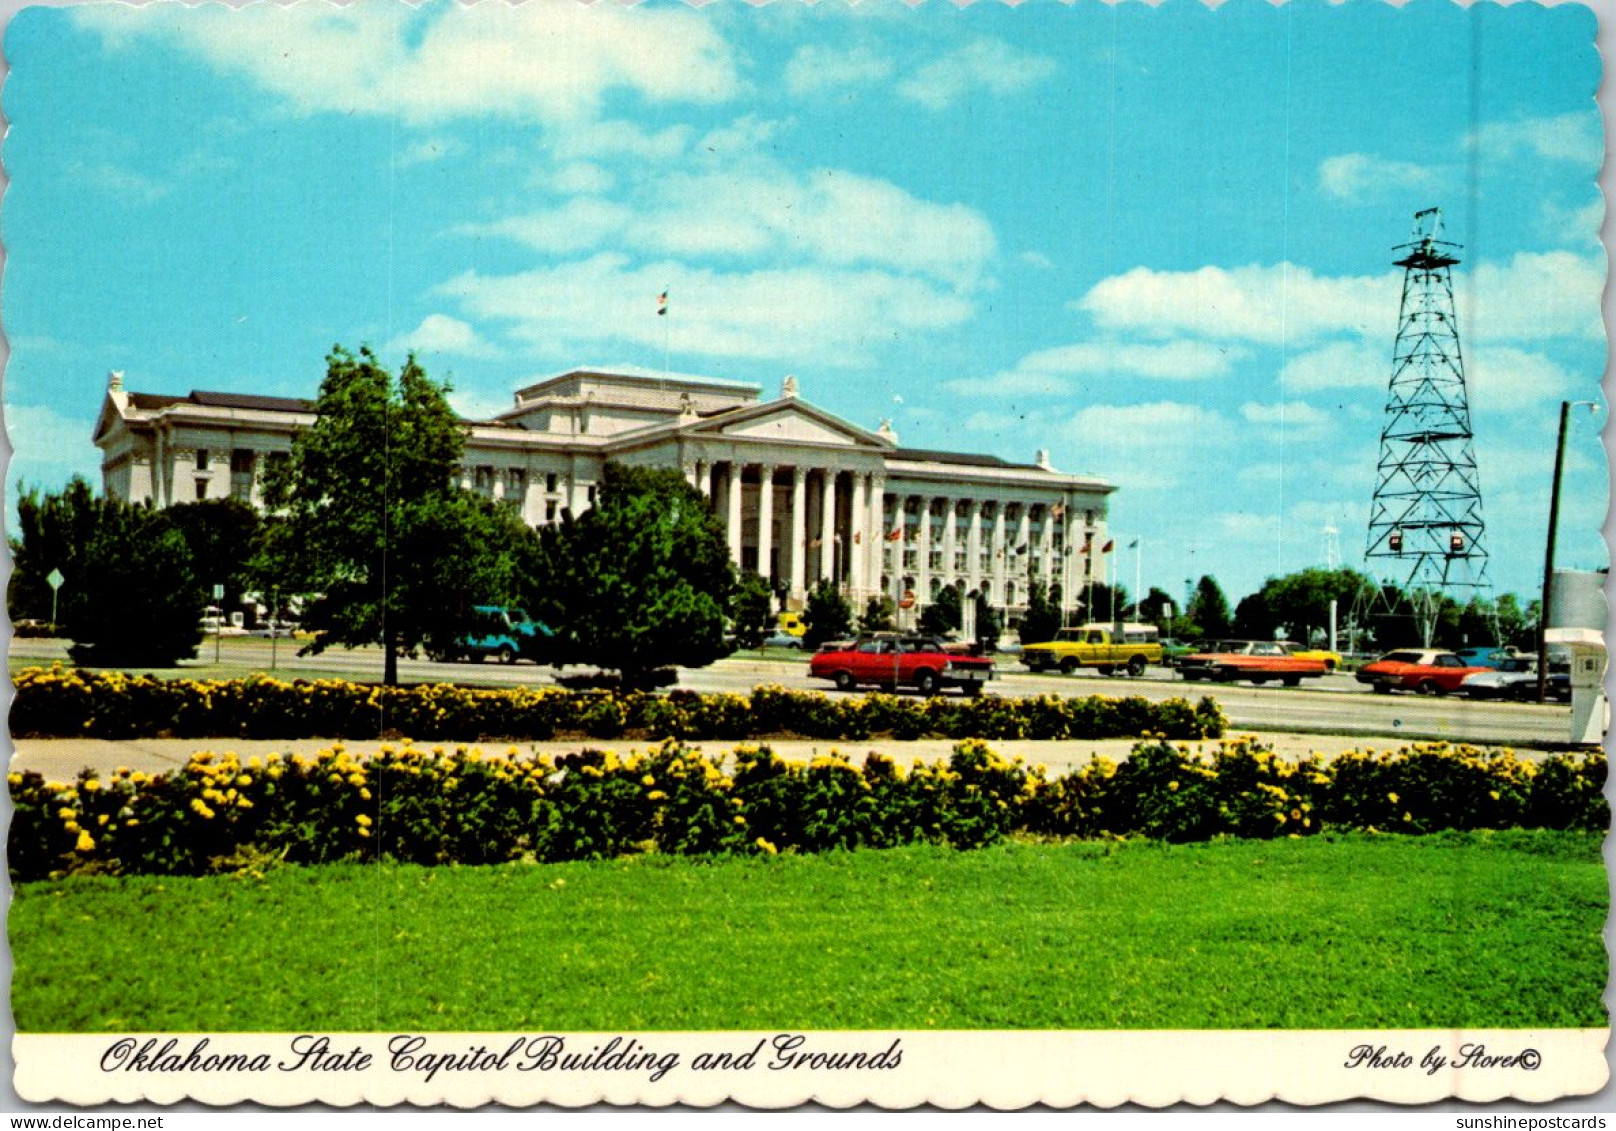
(1328, 657)
(892, 660)
(1515, 678)
(782, 640)
(1256, 660)
(1175, 650)
(1424, 670)
(508, 634)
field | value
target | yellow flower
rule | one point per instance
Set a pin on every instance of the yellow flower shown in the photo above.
(740, 821)
(1392, 797)
(1173, 785)
(648, 781)
(71, 826)
(362, 820)
(91, 785)
(85, 844)
(766, 846)
(66, 814)
(656, 795)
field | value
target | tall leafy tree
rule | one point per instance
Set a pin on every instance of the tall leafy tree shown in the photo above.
(945, 614)
(752, 610)
(137, 600)
(53, 532)
(827, 614)
(640, 581)
(1043, 617)
(1209, 608)
(371, 522)
(988, 622)
(222, 537)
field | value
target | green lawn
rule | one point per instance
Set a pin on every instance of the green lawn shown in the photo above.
(1484, 930)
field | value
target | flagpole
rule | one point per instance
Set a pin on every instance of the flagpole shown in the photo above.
(667, 326)
(1138, 573)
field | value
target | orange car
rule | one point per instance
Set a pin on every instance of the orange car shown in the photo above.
(1424, 670)
(1256, 660)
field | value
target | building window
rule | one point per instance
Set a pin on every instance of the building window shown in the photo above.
(201, 488)
(591, 494)
(516, 481)
(550, 483)
(241, 461)
(485, 479)
(201, 459)
(550, 511)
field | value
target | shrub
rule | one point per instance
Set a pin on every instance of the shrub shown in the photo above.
(439, 806)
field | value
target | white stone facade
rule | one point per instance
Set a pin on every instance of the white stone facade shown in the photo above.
(802, 494)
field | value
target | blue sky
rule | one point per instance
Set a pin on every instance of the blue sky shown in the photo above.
(1154, 241)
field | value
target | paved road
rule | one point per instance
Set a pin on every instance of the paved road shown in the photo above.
(1332, 704)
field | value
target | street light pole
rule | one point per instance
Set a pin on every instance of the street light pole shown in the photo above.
(1548, 552)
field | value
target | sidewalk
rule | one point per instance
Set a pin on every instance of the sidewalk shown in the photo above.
(60, 759)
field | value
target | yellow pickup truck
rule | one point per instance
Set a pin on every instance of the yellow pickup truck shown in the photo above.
(1093, 647)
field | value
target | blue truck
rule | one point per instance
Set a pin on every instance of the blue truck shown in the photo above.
(509, 634)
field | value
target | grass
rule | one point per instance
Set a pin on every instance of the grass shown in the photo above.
(1455, 931)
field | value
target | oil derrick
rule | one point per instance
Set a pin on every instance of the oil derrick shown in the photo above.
(1425, 525)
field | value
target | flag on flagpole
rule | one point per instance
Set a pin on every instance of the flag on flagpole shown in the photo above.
(896, 535)
(1134, 545)
(1088, 543)
(858, 537)
(662, 304)
(1110, 545)
(1057, 510)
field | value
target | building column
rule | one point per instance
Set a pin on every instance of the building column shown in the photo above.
(999, 552)
(860, 500)
(704, 476)
(973, 547)
(689, 467)
(1046, 550)
(950, 538)
(734, 507)
(876, 534)
(827, 525)
(765, 546)
(923, 554)
(799, 535)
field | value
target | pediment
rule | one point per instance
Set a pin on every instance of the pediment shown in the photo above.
(789, 422)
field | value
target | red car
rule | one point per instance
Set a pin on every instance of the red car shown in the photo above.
(901, 661)
(1256, 660)
(1424, 670)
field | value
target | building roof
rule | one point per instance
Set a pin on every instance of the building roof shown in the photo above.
(968, 459)
(152, 401)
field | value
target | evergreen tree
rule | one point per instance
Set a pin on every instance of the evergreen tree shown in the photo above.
(1043, 617)
(880, 613)
(136, 601)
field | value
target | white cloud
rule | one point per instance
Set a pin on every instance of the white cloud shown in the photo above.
(785, 313)
(771, 214)
(1574, 137)
(814, 68)
(577, 178)
(985, 64)
(1339, 365)
(1352, 176)
(1257, 303)
(440, 334)
(545, 60)
(1534, 296)
(1046, 371)
(1036, 259)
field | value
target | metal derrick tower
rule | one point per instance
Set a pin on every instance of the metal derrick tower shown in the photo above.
(1425, 521)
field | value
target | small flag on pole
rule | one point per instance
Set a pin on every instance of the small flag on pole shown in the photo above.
(896, 535)
(1134, 545)
(858, 537)
(1111, 544)
(1057, 510)
(662, 304)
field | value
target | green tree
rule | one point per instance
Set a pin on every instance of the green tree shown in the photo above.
(752, 610)
(828, 615)
(371, 523)
(1043, 617)
(53, 532)
(136, 600)
(945, 614)
(640, 581)
(1153, 609)
(880, 613)
(1209, 608)
(1298, 604)
(988, 622)
(222, 536)
(1253, 619)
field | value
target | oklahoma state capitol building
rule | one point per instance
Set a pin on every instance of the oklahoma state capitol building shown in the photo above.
(802, 494)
